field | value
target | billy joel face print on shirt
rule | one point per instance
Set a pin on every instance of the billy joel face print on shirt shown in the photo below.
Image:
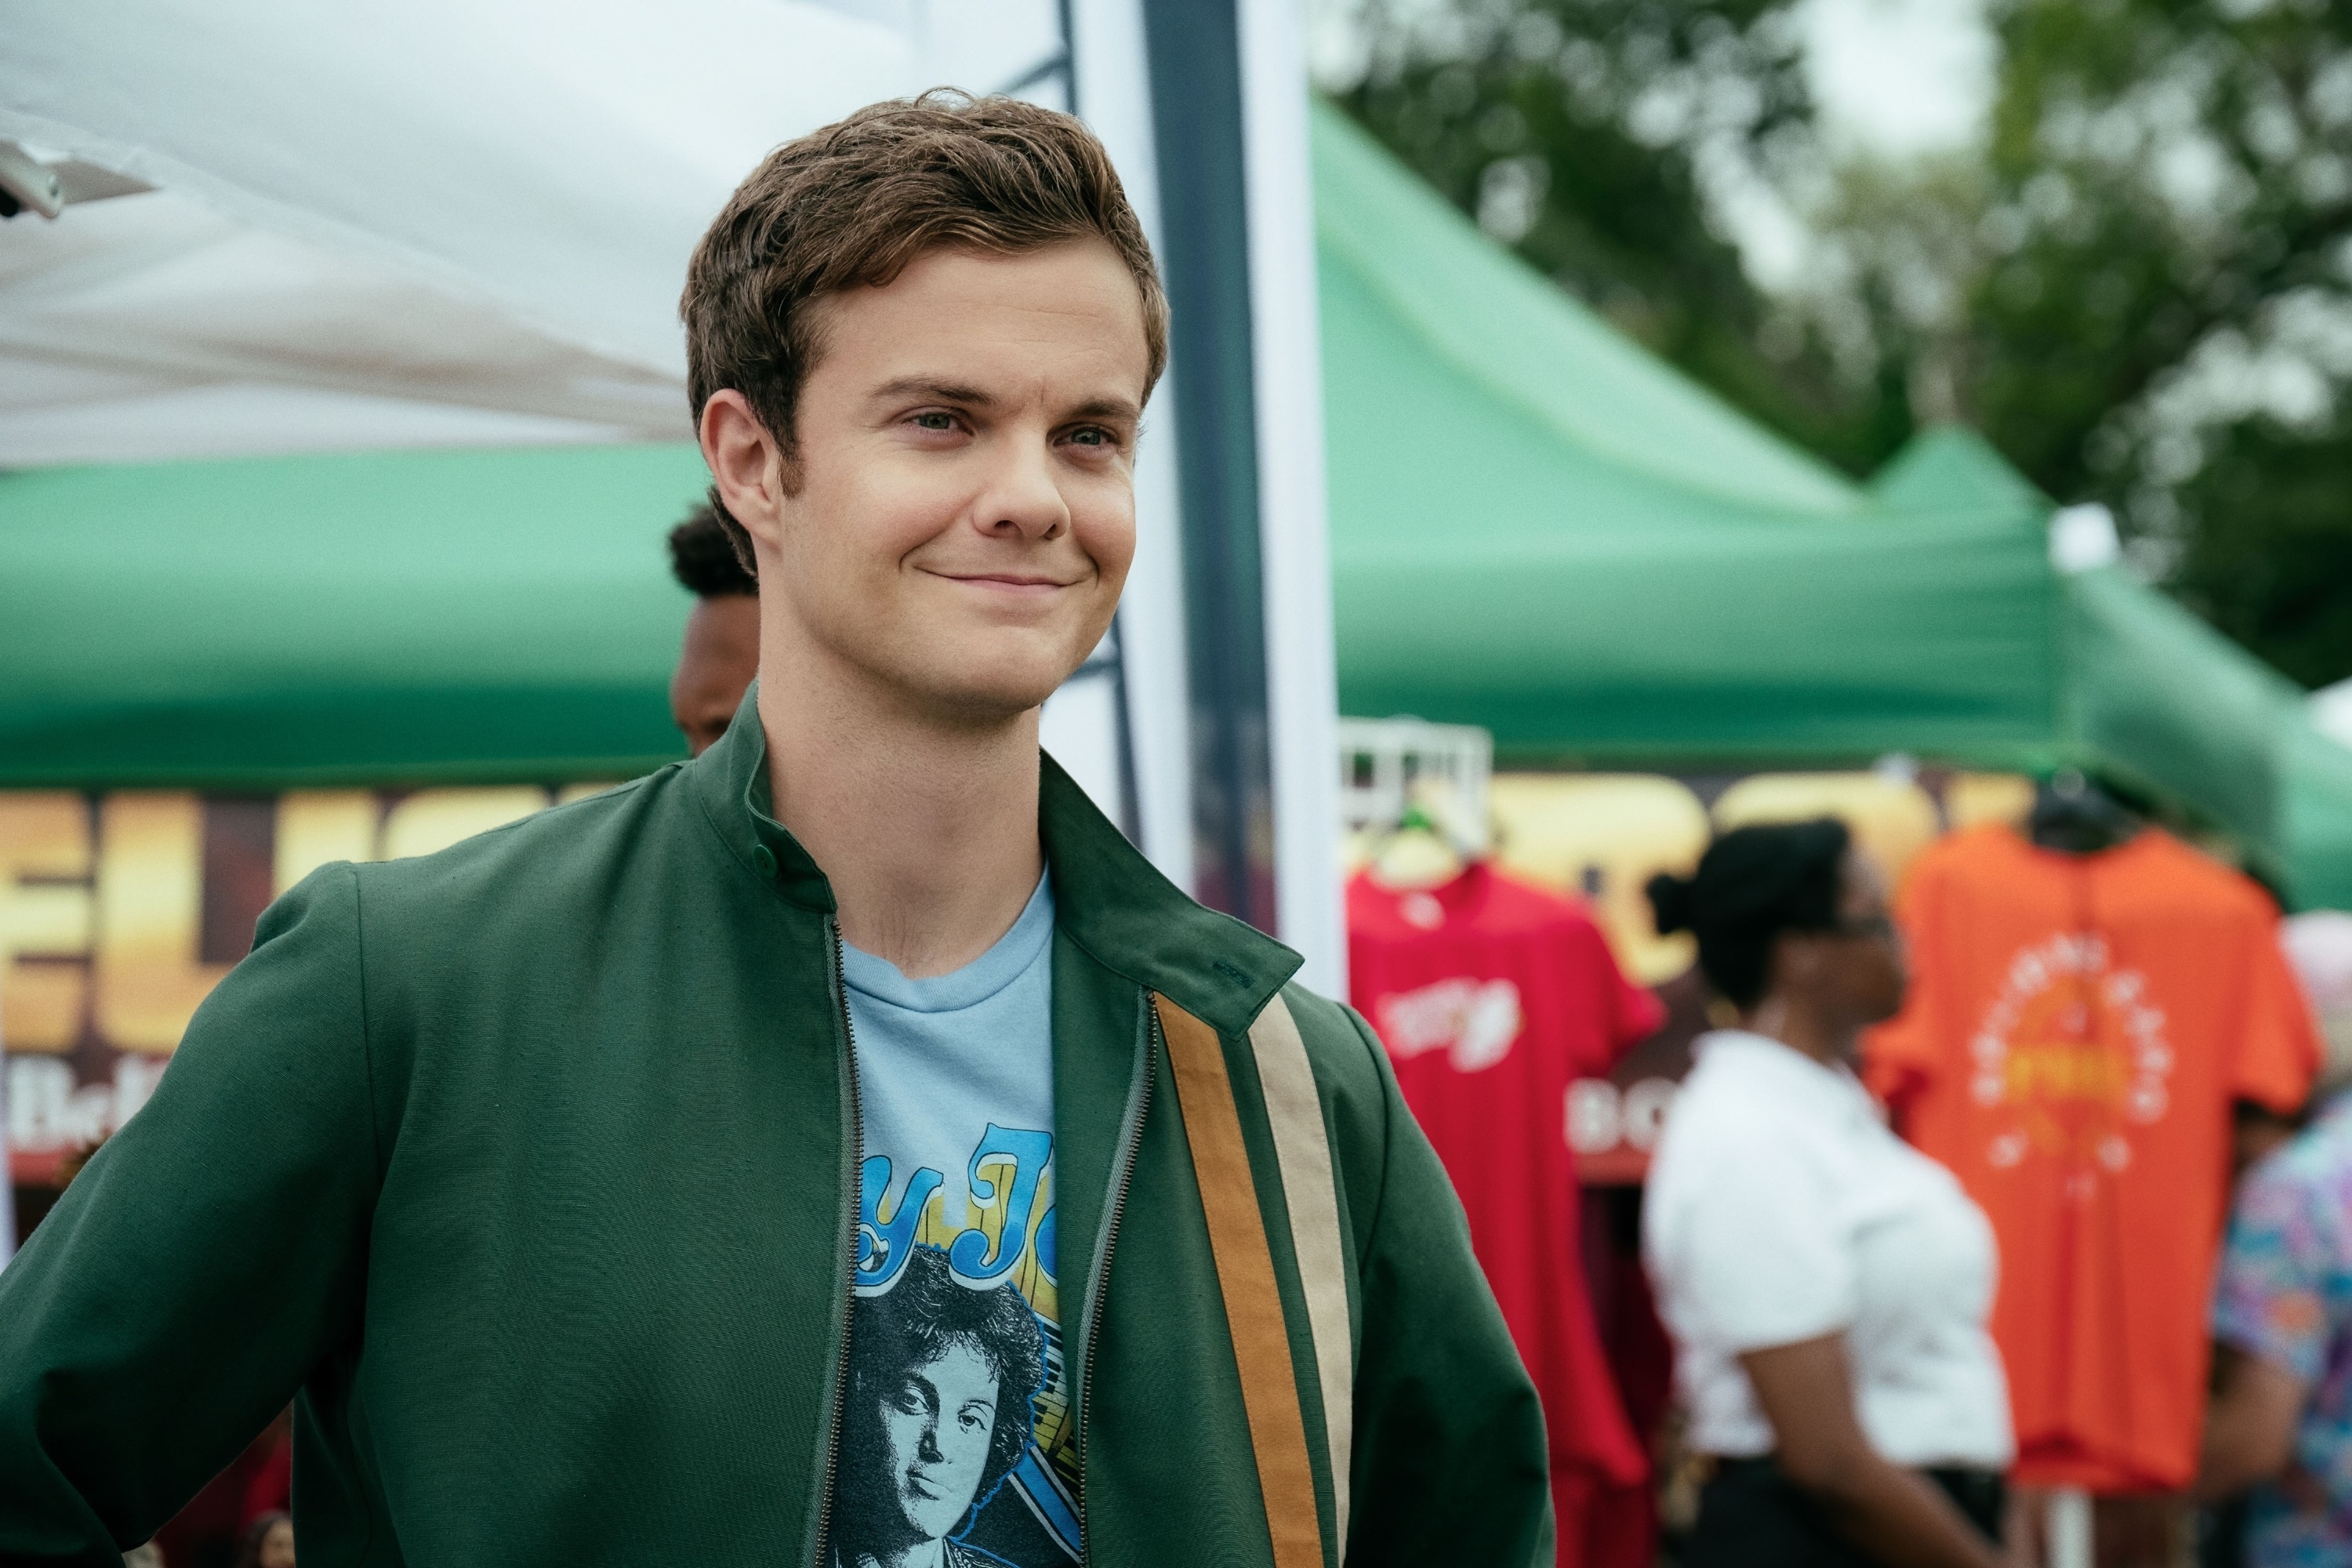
(956, 1443)
(937, 1413)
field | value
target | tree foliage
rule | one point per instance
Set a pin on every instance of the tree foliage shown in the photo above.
(2140, 287)
(1586, 134)
(2165, 326)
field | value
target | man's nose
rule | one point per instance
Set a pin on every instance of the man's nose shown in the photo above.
(1021, 496)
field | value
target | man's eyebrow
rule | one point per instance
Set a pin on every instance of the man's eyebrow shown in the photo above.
(926, 386)
(973, 397)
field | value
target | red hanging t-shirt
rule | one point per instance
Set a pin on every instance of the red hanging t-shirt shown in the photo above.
(2076, 1029)
(1492, 996)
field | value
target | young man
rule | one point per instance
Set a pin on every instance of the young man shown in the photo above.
(720, 657)
(560, 1173)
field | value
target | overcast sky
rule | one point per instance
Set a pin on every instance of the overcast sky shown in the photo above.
(1890, 77)
(1900, 76)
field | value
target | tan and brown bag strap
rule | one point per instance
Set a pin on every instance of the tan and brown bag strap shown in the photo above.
(1244, 1262)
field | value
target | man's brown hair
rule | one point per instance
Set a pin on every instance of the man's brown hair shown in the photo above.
(853, 205)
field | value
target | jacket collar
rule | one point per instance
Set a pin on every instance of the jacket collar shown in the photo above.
(1108, 897)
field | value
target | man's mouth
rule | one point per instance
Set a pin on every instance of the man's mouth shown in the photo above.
(919, 1483)
(1005, 582)
(1015, 582)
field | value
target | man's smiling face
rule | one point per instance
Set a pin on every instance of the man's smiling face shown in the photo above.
(959, 516)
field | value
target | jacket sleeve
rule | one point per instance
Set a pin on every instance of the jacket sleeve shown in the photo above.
(1450, 1463)
(206, 1260)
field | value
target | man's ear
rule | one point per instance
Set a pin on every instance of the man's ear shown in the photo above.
(747, 463)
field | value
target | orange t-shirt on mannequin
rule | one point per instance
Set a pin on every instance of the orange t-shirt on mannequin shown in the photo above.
(2077, 1029)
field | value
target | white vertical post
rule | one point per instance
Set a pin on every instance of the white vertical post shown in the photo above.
(1302, 682)
(2069, 1533)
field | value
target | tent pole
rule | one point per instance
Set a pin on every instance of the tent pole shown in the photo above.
(1194, 50)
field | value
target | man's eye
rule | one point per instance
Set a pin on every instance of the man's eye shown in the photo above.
(935, 421)
(1091, 436)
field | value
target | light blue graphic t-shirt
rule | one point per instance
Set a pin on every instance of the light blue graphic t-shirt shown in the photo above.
(958, 1444)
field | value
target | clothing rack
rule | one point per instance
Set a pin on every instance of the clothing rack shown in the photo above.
(1391, 766)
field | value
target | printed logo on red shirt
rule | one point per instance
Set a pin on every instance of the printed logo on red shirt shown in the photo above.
(1473, 1022)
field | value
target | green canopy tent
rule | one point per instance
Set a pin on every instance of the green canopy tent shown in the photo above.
(449, 617)
(1538, 528)
(2152, 695)
(2318, 815)
(2251, 726)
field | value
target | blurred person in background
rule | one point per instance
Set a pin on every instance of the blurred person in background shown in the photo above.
(2279, 1427)
(268, 1543)
(270, 1487)
(721, 652)
(1826, 1286)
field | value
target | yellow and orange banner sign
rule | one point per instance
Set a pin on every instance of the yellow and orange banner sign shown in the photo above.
(118, 911)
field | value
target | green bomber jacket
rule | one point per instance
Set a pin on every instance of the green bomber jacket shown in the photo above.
(528, 1171)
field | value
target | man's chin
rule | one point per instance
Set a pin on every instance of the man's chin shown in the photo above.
(963, 675)
(983, 700)
(984, 709)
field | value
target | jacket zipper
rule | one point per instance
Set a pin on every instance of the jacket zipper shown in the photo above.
(1130, 1141)
(857, 1147)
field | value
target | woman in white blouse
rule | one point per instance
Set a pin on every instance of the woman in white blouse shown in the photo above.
(1826, 1285)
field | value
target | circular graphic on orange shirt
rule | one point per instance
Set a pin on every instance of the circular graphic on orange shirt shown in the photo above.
(2076, 1053)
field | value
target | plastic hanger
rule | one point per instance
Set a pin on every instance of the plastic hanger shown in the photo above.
(1416, 855)
(2074, 816)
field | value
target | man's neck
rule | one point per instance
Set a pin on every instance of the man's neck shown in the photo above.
(926, 830)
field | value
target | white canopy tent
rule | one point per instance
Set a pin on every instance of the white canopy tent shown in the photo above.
(421, 224)
(431, 224)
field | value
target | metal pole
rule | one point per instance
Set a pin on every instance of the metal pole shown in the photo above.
(1195, 66)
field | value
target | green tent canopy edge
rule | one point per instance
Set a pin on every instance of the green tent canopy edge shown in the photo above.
(388, 619)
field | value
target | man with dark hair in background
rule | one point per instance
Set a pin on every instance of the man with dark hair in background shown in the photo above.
(720, 653)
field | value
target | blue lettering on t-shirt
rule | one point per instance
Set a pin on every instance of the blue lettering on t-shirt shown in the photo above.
(970, 1255)
(882, 1246)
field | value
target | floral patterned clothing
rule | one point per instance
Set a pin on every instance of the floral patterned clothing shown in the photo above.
(2285, 1295)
